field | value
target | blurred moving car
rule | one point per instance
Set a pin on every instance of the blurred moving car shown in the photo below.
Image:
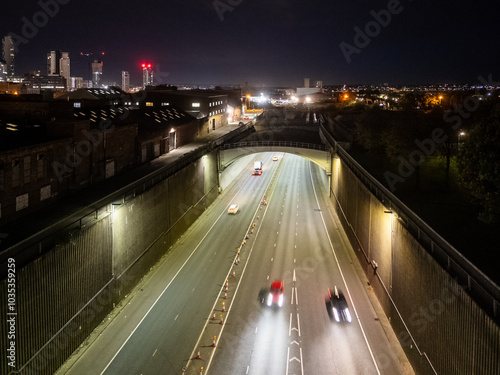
(232, 209)
(275, 296)
(339, 305)
(275, 158)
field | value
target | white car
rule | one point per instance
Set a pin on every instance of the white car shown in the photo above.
(275, 158)
(232, 209)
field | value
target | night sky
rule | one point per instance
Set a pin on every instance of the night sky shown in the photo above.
(265, 42)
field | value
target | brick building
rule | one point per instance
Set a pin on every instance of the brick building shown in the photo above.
(51, 148)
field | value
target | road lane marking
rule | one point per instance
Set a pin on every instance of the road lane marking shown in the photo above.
(287, 360)
(342, 274)
(176, 317)
(301, 362)
(155, 352)
(294, 278)
(248, 368)
(290, 326)
(298, 323)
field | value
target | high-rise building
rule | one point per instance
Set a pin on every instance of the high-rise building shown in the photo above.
(147, 75)
(53, 63)
(125, 81)
(96, 73)
(8, 56)
(64, 68)
(3, 71)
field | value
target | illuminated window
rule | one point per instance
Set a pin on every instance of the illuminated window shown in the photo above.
(149, 104)
(195, 105)
(164, 104)
(77, 105)
(210, 114)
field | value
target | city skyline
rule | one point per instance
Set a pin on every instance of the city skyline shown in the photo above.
(398, 42)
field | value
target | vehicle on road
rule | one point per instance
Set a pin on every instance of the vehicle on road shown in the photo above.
(257, 168)
(275, 158)
(232, 209)
(275, 296)
(339, 306)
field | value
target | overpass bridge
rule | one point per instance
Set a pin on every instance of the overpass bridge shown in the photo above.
(317, 153)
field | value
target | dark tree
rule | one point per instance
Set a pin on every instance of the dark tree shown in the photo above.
(479, 165)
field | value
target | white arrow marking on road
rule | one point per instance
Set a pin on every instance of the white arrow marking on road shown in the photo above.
(291, 359)
(294, 342)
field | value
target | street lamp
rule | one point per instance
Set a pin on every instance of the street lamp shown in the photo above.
(460, 135)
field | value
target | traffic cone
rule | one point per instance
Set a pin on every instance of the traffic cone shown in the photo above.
(221, 321)
(234, 273)
(257, 218)
(223, 307)
(213, 344)
(201, 371)
(214, 317)
(198, 356)
(225, 295)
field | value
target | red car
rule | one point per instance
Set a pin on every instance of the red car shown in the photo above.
(275, 296)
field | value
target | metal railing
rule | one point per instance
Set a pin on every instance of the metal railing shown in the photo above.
(312, 146)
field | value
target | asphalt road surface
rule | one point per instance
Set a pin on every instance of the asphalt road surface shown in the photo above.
(169, 318)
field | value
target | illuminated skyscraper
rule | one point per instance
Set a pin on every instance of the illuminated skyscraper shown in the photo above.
(64, 68)
(8, 56)
(53, 63)
(147, 75)
(96, 73)
(125, 81)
